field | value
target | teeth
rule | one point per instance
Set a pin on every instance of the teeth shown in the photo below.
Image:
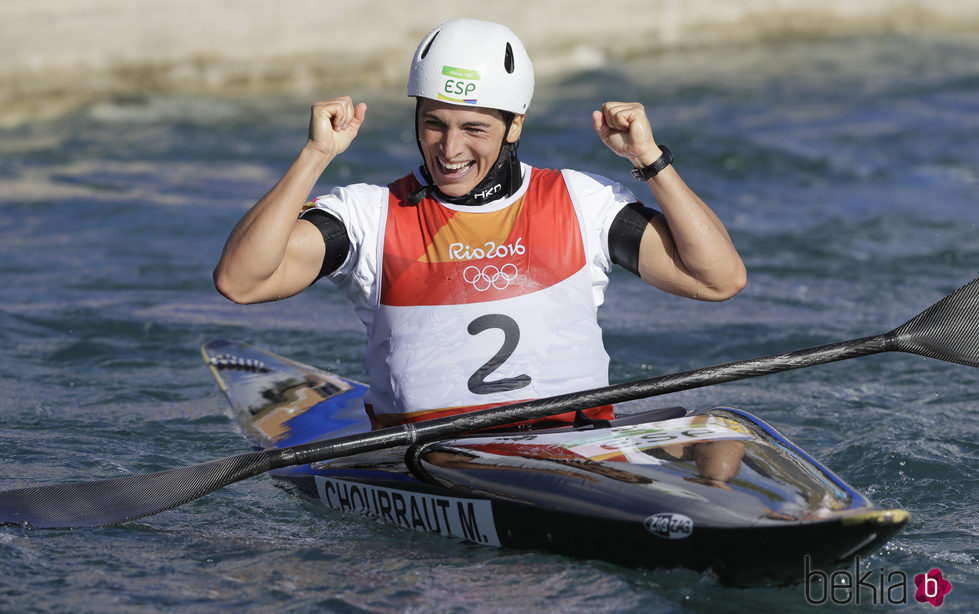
(453, 167)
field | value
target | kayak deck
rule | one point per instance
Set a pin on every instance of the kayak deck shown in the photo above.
(716, 490)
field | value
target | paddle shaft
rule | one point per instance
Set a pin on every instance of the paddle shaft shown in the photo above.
(439, 428)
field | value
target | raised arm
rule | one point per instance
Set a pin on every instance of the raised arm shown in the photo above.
(271, 254)
(687, 250)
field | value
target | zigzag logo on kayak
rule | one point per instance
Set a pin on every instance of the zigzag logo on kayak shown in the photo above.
(669, 526)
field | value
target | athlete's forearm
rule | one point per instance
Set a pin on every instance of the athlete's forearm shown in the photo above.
(253, 264)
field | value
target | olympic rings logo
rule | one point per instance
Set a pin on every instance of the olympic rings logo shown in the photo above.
(490, 276)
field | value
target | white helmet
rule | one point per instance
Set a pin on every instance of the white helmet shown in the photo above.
(473, 62)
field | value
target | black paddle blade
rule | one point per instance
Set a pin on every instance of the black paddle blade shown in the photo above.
(114, 501)
(948, 330)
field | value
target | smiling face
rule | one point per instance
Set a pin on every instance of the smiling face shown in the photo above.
(461, 144)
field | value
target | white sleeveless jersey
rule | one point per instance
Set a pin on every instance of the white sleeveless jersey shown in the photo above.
(470, 307)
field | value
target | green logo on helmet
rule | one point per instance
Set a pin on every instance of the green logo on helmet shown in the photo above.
(460, 73)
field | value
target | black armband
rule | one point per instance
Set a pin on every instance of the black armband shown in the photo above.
(625, 234)
(334, 236)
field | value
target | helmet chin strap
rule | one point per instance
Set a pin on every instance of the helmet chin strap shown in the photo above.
(502, 180)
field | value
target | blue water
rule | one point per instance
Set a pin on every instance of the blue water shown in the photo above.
(845, 171)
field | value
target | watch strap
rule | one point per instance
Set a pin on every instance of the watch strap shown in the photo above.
(648, 172)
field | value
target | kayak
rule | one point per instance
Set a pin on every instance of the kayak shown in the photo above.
(715, 489)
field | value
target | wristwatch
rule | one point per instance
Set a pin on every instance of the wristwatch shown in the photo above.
(648, 172)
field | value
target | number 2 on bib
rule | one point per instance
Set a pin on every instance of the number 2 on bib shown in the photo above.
(511, 337)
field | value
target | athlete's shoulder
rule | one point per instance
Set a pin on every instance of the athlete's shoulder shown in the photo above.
(358, 205)
(585, 178)
(589, 185)
(353, 193)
